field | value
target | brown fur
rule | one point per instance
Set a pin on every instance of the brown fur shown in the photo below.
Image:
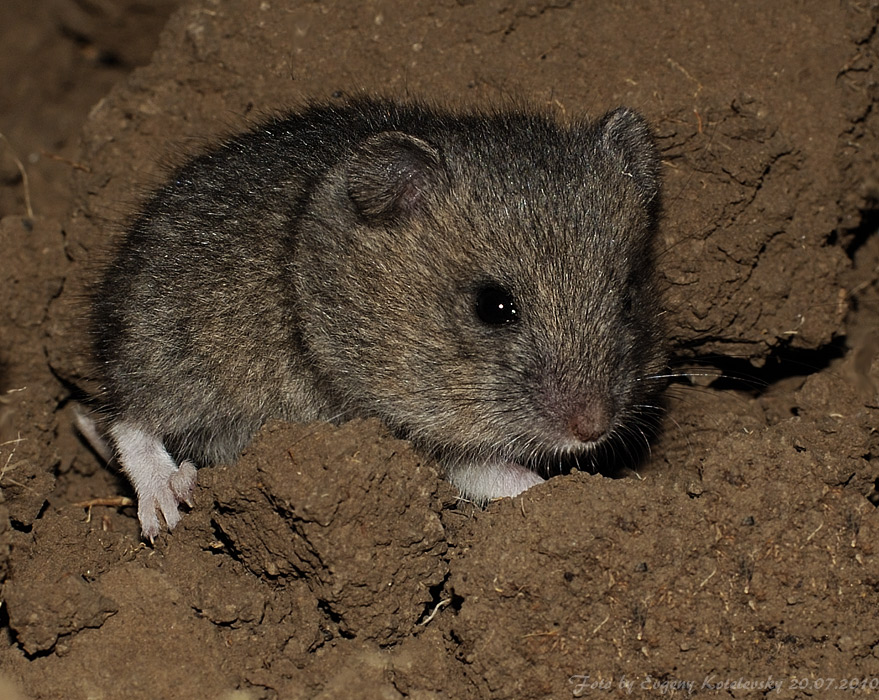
(325, 265)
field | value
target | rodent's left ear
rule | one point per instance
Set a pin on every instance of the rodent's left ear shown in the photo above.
(390, 173)
(625, 133)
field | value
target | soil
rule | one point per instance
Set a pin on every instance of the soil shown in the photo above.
(332, 561)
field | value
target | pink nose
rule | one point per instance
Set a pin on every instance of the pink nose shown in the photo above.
(589, 423)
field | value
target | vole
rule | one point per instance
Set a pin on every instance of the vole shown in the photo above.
(482, 282)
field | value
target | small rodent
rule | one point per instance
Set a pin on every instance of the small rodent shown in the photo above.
(482, 282)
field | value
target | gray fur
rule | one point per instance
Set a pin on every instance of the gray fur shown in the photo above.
(325, 266)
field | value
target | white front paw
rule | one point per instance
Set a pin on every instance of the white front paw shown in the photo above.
(485, 481)
(159, 483)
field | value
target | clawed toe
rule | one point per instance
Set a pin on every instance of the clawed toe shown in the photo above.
(183, 481)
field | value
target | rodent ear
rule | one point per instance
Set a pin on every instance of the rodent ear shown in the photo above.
(625, 133)
(390, 173)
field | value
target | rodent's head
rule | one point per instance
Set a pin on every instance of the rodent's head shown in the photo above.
(486, 286)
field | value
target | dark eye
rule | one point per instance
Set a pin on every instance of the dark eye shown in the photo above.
(495, 305)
